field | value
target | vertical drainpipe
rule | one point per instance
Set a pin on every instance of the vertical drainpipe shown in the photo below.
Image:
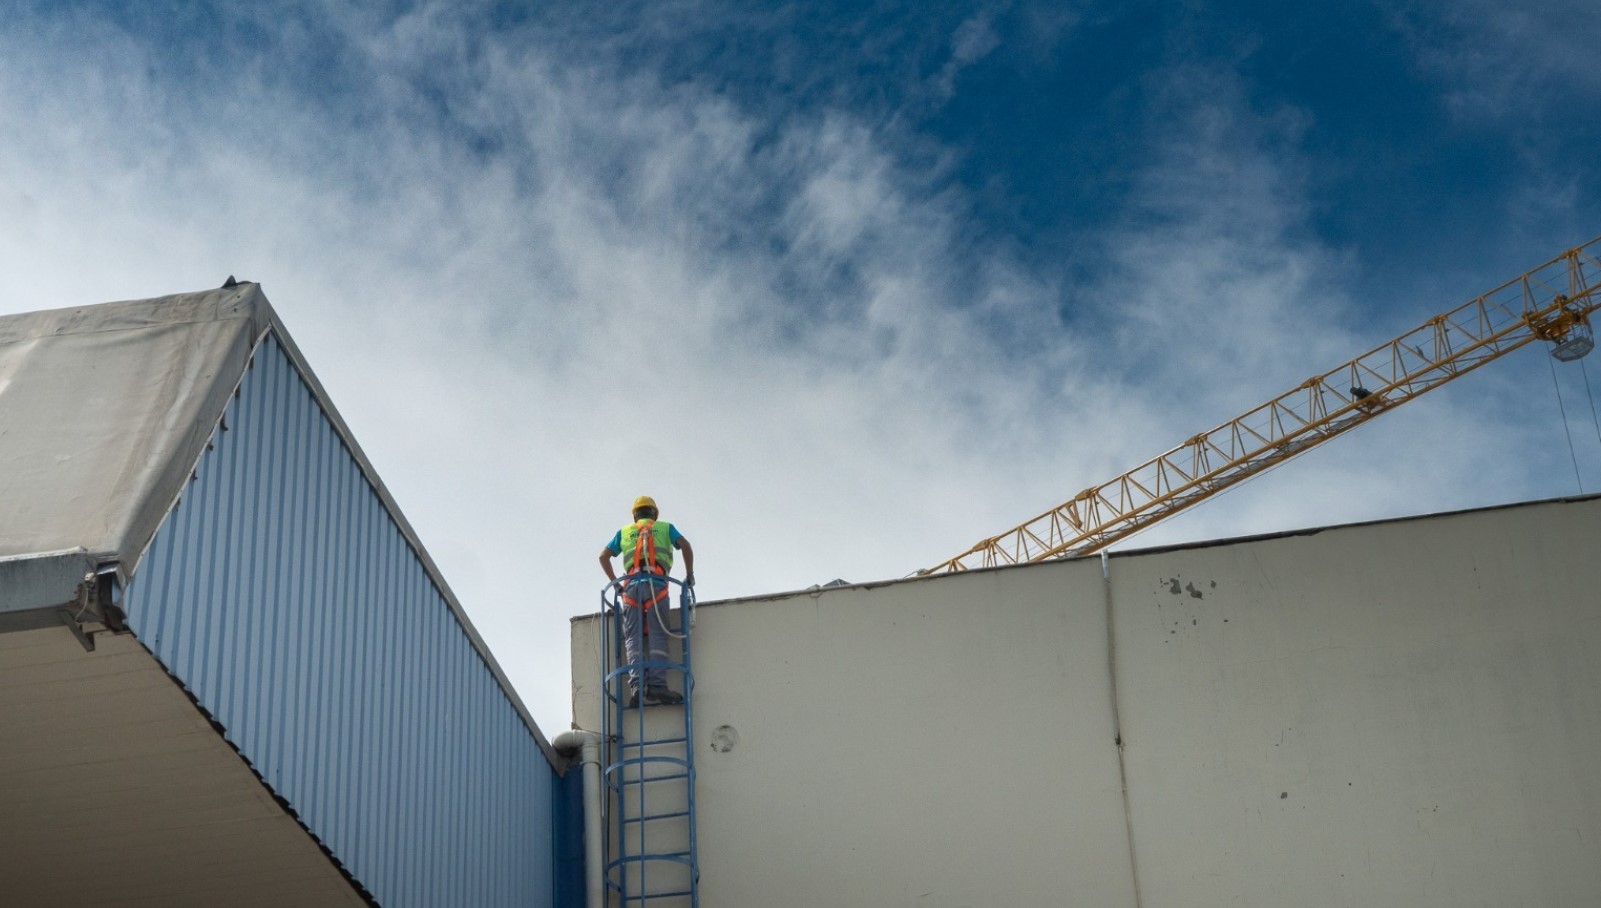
(587, 745)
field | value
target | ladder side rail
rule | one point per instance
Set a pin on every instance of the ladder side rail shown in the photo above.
(686, 624)
(613, 674)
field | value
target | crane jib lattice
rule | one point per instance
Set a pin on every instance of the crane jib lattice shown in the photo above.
(1551, 303)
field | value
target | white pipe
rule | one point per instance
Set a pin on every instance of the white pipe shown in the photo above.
(587, 745)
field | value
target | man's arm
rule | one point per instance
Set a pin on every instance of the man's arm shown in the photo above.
(689, 560)
(605, 564)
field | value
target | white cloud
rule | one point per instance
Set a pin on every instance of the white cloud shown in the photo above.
(972, 41)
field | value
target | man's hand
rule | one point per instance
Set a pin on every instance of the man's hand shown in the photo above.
(689, 580)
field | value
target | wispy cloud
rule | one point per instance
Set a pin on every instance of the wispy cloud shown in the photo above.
(1507, 63)
(1523, 74)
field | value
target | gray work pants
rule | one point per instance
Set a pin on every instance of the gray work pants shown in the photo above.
(651, 629)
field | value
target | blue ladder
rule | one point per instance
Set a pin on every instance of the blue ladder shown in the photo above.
(649, 766)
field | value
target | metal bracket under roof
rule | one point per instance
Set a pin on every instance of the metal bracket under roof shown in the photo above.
(67, 587)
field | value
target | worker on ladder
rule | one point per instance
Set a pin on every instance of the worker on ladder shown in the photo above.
(646, 546)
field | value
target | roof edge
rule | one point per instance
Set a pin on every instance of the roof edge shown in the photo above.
(816, 591)
(242, 300)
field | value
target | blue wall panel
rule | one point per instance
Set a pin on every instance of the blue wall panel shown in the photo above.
(283, 596)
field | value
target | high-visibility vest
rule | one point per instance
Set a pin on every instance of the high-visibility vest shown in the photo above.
(648, 546)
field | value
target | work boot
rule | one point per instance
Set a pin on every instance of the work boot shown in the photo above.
(631, 700)
(663, 695)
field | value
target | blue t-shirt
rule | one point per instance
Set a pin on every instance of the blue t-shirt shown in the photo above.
(616, 544)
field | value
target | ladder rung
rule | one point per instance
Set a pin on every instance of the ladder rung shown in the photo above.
(673, 856)
(617, 787)
(657, 895)
(652, 856)
(676, 775)
(656, 816)
(653, 743)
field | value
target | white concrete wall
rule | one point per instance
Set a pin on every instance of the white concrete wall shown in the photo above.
(1398, 714)
(928, 744)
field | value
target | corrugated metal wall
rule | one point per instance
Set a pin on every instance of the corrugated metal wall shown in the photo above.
(284, 597)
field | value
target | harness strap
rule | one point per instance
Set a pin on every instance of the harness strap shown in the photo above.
(661, 594)
(645, 548)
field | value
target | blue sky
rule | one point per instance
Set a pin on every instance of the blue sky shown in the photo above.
(894, 277)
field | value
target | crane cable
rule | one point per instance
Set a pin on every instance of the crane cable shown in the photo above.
(1586, 373)
(1565, 430)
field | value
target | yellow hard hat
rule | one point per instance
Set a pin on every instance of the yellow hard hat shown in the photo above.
(644, 501)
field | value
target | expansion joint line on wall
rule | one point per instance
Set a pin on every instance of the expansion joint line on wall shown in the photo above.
(1117, 721)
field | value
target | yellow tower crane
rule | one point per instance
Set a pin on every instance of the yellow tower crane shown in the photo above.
(1551, 303)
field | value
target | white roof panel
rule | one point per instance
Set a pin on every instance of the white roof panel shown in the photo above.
(104, 409)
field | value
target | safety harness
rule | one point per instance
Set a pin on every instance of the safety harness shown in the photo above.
(644, 561)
